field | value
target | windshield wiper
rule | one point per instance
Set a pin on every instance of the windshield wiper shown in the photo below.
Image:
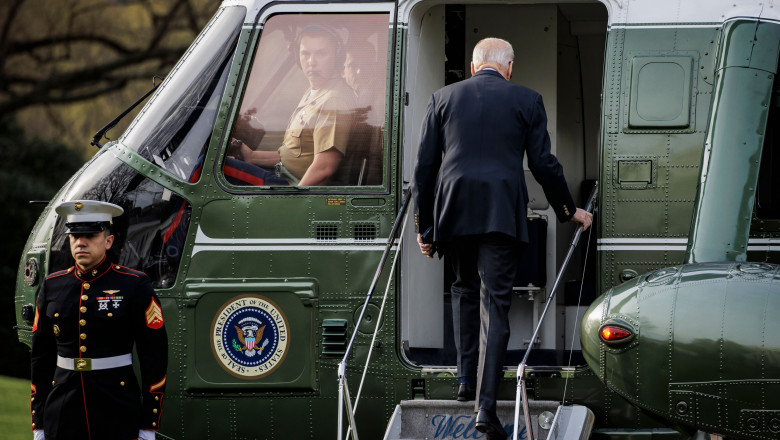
(102, 132)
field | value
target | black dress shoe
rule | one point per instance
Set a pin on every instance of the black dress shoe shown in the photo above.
(488, 423)
(466, 392)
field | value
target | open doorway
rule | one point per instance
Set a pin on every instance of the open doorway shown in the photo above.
(559, 52)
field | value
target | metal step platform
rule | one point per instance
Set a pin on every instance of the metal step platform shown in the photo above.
(450, 419)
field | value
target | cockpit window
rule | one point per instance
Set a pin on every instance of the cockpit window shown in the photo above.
(313, 112)
(149, 235)
(174, 129)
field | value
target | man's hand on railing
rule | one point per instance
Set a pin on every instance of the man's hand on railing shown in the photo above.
(583, 217)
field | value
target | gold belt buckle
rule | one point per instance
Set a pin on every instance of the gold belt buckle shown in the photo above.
(82, 364)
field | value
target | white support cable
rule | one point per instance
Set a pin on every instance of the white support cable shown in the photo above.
(579, 302)
(521, 389)
(518, 394)
(350, 412)
(343, 391)
(376, 330)
(342, 385)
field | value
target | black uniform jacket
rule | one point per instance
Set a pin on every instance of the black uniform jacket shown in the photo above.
(97, 314)
(469, 175)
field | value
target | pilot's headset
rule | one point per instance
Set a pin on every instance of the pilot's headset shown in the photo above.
(324, 32)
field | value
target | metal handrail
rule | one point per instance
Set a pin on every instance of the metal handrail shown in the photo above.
(342, 366)
(521, 388)
(376, 330)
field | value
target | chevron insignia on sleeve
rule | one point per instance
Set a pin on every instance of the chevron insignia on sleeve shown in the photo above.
(35, 323)
(157, 386)
(154, 317)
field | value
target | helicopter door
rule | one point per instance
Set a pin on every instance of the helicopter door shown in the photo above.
(559, 52)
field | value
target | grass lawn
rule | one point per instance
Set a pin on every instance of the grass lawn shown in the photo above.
(15, 409)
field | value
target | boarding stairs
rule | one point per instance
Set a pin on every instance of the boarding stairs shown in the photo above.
(450, 419)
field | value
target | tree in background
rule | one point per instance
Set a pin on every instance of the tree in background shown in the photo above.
(30, 169)
(67, 67)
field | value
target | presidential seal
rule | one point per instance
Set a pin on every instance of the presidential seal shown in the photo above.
(249, 336)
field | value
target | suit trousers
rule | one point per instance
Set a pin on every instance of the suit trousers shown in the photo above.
(485, 267)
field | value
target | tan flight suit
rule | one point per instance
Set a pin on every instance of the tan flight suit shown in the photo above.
(321, 121)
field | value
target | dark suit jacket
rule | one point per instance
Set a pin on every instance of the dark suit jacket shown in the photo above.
(469, 176)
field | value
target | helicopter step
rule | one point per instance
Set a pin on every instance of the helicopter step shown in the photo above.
(449, 419)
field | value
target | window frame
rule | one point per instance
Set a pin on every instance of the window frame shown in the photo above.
(107, 178)
(173, 79)
(243, 69)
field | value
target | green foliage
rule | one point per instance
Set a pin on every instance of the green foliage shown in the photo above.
(30, 169)
(15, 409)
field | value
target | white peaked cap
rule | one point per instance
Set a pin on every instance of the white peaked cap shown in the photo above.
(85, 215)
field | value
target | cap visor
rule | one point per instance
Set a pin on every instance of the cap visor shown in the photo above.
(85, 228)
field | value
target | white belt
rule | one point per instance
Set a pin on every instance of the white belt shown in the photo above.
(87, 364)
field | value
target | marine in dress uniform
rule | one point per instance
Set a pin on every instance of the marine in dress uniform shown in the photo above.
(87, 320)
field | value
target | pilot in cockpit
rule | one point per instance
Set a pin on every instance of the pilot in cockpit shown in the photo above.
(318, 131)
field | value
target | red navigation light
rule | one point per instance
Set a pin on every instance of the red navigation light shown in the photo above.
(611, 333)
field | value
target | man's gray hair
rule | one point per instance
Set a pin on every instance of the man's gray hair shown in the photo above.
(493, 51)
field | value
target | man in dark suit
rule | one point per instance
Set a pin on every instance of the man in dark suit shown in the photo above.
(471, 199)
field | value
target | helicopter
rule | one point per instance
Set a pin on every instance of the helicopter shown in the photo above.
(664, 326)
